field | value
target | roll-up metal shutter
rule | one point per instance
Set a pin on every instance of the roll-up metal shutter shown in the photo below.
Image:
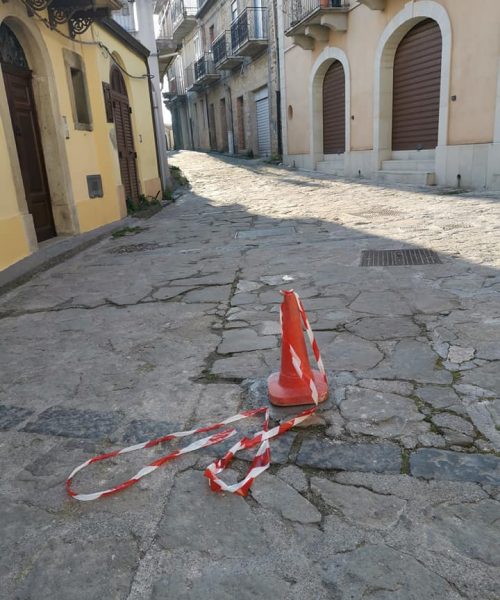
(263, 131)
(334, 110)
(417, 86)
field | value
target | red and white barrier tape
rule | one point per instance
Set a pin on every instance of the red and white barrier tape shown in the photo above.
(262, 459)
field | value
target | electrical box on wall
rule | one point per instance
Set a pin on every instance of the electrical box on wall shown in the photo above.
(94, 184)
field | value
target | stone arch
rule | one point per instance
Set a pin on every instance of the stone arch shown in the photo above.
(116, 62)
(51, 128)
(320, 67)
(396, 29)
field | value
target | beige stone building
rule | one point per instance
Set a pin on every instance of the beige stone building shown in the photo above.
(396, 90)
(223, 88)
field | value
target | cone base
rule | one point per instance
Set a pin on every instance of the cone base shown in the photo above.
(297, 395)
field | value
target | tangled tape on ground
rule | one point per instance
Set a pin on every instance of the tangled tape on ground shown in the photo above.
(262, 458)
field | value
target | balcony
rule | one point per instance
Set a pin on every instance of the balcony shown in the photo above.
(374, 4)
(312, 20)
(222, 52)
(165, 43)
(176, 90)
(183, 18)
(249, 32)
(204, 70)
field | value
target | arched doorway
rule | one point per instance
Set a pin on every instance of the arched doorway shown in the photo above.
(124, 137)
(334, 109)
(22, 109)
(417, 88)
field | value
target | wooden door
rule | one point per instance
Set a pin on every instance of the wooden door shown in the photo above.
(124, 136)
(417, 88)
(240, 117)
(211, 127)
(334, 109)
(29, 149)
(223, 126)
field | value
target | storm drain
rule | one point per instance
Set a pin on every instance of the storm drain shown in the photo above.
(398, 258)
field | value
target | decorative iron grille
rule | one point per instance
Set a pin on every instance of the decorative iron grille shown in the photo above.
(219, 48)
(251, 24)
(296, 10)
(182, 9)
(204, 66)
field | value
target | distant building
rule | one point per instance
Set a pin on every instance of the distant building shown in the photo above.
(400, 91)
(76, 129)
(169, 137)
(223, 87)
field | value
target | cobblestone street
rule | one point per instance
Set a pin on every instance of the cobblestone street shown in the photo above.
(393, 490)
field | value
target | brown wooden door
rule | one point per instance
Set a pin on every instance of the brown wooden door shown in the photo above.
(334, 110)
(124, 136)
(29, 149)
(417, 87)
(211, 128)
(224, 146)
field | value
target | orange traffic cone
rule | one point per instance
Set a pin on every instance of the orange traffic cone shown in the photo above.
(286, 388)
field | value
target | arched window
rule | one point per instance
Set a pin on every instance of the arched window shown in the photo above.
(11, 51)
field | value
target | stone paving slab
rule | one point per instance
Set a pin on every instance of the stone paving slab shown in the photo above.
(375, 458)
(74, 423)
(443, 464)
(12, 416)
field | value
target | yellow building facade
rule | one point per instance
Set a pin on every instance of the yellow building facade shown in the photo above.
(76, 129)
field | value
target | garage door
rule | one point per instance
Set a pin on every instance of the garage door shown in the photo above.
(334, 110)
(263, 132)
(417, 85)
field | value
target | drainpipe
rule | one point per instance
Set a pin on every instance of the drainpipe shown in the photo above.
(278, 80)
(153, 113)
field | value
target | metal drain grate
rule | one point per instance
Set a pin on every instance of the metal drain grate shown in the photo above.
(398, 258)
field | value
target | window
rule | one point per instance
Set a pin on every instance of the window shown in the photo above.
(197, 46)
(82, 109)
(211, 34)
(78, 91)
(234, 9)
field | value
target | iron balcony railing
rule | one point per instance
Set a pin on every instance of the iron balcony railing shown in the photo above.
(126, 17)
(204, 66)
(250, 25)
(182, 9)
(189, 76)
(166, 31)
(172, 86)
(176, 85)
(220, 49)
(300, 9)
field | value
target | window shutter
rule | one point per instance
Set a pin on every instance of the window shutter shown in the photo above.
(108, 104)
